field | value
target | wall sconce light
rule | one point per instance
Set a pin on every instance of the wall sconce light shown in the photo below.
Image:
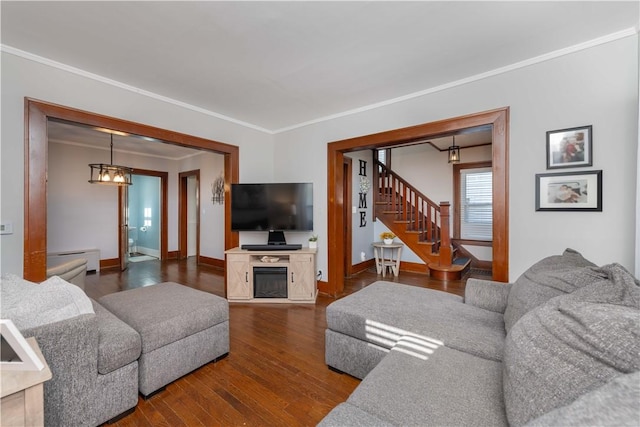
(454, 152)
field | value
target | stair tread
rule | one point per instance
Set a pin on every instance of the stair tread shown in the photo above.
(453, 267)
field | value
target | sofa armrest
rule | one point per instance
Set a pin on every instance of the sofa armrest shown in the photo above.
(73, 271)
(70, 348)
(487, 294)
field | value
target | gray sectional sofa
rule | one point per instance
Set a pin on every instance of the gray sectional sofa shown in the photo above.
(559, 346)
(101, 358)
(93, 355)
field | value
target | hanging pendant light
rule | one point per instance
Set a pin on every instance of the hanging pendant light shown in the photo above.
(110, 174)
(454, 152)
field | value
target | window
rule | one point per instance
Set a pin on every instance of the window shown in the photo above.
(476, 204)
(384, 156)
(147, 217)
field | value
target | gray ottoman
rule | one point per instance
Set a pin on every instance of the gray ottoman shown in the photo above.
(181, 329)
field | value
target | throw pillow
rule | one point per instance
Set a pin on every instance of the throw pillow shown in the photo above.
(572, 345)
(553, 276)
(29, 304)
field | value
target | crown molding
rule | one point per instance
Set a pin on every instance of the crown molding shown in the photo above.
(522, 64)
(51, 63)
(515, 66)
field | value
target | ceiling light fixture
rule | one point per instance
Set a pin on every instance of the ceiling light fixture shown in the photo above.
(110, 174)
(454, 152)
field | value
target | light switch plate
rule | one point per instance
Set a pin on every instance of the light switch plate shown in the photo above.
(6, 228)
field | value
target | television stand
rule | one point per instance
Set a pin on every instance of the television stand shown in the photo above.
(300, 280)
(293, 247)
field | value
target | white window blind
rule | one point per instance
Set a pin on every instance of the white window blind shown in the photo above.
(476, 204)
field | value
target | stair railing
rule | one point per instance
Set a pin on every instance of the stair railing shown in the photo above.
(409, 205)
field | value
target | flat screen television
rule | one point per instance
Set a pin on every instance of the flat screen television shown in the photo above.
(274, 206)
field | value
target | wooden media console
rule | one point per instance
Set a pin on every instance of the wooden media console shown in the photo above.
(271, 276)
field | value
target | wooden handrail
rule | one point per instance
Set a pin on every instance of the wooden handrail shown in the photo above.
(419, 212)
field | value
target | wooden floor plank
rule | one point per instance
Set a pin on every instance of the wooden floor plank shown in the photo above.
(275, 373)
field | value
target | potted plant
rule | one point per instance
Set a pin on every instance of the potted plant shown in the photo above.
(313, 241)
(387, 237)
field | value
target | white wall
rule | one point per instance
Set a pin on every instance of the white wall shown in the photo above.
(361, 237)
(25, 78)
(79, 215)
(211, 165)
(429, 170)
(596, 86)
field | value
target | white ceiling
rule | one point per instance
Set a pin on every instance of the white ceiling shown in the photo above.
(87, 136)
(277, 65)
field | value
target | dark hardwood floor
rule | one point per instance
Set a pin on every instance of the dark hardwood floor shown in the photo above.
(275, 373)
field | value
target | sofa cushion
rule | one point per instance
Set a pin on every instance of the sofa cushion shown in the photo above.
(383, 312)
(613, 404)
(29, 304)
(166, 312)
(346, 414)
(433, 386)
(118, 343)
(571, 345)
(553, 276)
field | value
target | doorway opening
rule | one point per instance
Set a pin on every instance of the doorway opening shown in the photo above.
(497, 119)
(146, 219)
(189, 214)
(36, 158)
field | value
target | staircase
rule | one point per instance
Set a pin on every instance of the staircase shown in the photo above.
(419, 222)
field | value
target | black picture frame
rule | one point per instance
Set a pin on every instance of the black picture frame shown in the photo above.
(570, 148)
(569, 191)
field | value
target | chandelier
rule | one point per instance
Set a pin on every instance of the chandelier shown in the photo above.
(109, 173)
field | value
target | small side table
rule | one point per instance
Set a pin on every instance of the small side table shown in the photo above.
(22, 400)
(382, 261)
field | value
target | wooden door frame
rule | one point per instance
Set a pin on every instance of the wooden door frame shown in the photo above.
(348, 164)
(36, 116)
(183, 198)
(498, 119)
(164, 210)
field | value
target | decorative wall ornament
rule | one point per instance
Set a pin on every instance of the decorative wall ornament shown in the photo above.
(217, 190)
(365, 184)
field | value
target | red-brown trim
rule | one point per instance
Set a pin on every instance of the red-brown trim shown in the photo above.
(109, 263)
(172, 255)
(35, 210)
(182, 213)
(499, 119)
(212, 262)
(362, 266)
(414, 267)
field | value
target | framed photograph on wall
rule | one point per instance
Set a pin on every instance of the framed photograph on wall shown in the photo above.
(569, 191)
(569, 148)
